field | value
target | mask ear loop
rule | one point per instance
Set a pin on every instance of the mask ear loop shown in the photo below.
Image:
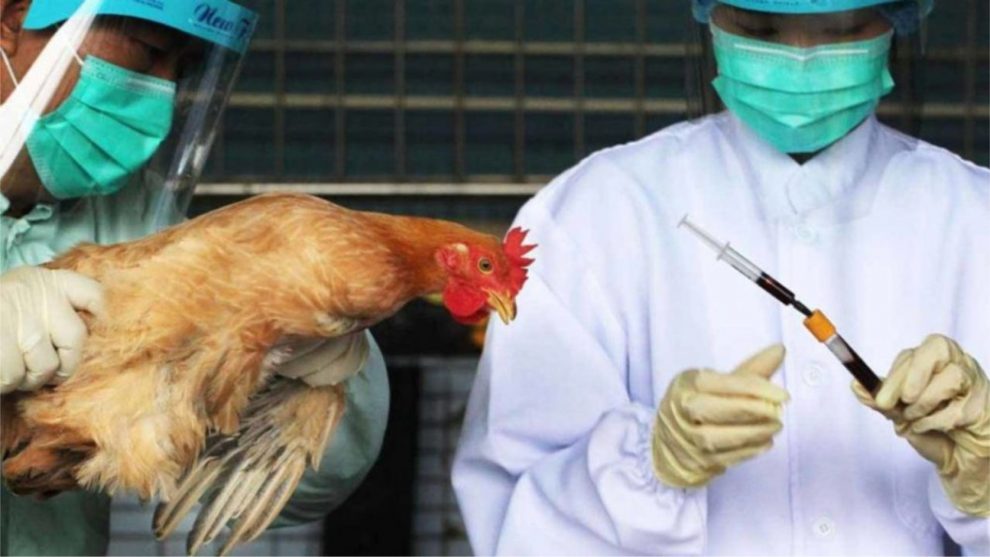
(73, 51)
(75, 54)
(10, 69)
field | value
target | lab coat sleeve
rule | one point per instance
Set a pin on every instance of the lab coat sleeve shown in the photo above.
(554, 457)
(970, 532)
(352, 451)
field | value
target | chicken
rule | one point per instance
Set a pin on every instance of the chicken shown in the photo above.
(176, 397)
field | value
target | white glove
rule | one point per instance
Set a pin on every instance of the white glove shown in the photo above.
(938, 398)
(709, 421)
(41, 335)
(319, 362)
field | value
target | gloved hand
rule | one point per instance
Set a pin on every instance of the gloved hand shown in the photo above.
(709, 421)
(320, 362)
(41, 335)
(939, 400)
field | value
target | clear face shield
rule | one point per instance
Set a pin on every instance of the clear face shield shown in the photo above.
(114, 101)
(804, 74)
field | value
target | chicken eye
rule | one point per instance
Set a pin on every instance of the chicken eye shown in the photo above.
(485, 265)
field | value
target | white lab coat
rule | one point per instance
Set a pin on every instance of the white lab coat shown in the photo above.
(887, 234)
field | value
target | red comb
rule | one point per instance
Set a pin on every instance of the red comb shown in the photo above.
(515, 252)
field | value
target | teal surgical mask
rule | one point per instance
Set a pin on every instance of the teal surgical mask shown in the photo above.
(108, 128)
(801, 100)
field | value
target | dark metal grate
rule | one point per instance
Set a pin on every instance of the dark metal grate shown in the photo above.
(437, 525)
(507, 91)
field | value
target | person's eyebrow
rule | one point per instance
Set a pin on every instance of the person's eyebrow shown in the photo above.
(154, 35)
(854, 19)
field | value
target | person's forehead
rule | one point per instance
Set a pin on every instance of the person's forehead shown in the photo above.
(126, 32)
(141, 28)
(844, 18)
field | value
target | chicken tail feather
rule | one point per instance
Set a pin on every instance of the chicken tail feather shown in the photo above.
(197, 482)
(286, 428)
(251, 525)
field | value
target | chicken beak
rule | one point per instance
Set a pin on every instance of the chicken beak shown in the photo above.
(503, 304)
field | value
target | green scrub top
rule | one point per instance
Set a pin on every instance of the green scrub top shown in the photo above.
(78, 522)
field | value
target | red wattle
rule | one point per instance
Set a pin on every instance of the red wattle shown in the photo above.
(466, 305)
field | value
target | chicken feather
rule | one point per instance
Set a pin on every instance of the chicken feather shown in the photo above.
(175, 396)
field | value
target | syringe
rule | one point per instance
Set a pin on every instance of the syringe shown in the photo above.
(815, 321)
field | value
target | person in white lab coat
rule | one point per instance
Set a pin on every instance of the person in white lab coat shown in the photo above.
(596, 425)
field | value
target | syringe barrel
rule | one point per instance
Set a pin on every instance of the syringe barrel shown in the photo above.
(739, 263)
(724, 250)
(777, 290)
(726, 253)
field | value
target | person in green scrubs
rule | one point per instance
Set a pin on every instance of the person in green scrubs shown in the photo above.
(109, 108)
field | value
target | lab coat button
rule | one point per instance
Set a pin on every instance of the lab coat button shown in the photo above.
(823, 527)
(805, 233)
(814, 375)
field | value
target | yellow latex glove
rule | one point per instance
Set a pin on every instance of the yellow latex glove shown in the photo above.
(939, 400)
(709, 421)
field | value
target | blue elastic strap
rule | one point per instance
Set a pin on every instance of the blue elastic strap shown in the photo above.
(217, 21)
(904, 15)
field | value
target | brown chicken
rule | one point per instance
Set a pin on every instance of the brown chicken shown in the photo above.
(174, 398)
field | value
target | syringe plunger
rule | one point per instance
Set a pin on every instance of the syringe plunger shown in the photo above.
(724, 251)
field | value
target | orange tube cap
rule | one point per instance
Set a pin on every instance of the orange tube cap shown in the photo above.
(820, 326)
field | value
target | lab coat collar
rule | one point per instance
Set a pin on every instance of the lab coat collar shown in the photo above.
(13, 229)
(823, 187)
(41, 211)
